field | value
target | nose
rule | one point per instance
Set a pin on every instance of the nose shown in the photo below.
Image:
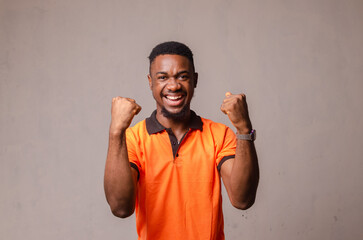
(173, 85)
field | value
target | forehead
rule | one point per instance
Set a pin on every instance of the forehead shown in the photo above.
(170, 62)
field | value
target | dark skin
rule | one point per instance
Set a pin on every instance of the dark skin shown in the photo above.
(172, 81)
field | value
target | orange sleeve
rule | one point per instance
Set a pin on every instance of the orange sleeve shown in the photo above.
(227, 149)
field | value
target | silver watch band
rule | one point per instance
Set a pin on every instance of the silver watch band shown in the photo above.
(249, 137)
(244, 136)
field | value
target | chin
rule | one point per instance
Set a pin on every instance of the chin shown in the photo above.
(177, 116)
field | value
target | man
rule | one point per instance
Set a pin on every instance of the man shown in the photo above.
(169, 165)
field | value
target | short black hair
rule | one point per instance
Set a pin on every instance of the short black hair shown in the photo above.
(172, 47)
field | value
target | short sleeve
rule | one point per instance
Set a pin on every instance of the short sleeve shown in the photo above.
(133, 150)
(227, 147)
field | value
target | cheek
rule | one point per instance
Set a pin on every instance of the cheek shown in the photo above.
(191, 93)
(157, 89)
(189, 88)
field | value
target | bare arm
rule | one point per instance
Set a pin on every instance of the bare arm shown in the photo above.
(240, 175)
(120, 180)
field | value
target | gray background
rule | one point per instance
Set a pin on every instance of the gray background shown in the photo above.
(300, 64)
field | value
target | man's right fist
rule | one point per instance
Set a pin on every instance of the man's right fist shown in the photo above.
(123, 111)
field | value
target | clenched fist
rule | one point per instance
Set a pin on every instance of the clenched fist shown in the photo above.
(123, 111)
(235, 106)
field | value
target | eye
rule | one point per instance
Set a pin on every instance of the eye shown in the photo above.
(161, 77)
(183, 77)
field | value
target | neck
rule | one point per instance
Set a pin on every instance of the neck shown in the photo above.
(177, 126)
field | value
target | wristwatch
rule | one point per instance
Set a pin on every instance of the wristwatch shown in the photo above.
(249, 137)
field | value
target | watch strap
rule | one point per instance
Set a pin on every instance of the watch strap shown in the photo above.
(249, 137)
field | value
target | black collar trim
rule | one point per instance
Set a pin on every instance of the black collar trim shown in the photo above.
(153, 126)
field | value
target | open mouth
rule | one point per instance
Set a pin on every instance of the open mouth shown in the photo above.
(174, 100)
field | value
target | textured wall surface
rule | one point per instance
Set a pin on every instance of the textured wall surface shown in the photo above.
(300, 64)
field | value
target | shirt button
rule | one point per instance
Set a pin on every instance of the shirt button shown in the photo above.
(173, 143)
(177, 154)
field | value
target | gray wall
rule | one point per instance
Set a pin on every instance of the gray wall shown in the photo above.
(300, 64)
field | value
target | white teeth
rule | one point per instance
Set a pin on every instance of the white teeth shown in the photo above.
(173, 97)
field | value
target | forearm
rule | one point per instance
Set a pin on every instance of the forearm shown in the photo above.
(244, 175)
(119, 183)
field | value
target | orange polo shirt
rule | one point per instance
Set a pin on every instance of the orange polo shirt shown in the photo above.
(179, 186)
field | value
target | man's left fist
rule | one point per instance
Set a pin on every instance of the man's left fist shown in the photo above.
(235, 106)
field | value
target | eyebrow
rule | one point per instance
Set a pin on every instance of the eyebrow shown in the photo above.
(181, 72)
(160, 73)
(185, 71)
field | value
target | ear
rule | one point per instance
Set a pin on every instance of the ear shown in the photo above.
(195, 79)
(150, 81)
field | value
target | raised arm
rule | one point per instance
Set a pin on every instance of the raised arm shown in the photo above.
(120, 180)
(241, 174)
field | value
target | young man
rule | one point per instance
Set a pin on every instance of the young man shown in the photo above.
(169, 166)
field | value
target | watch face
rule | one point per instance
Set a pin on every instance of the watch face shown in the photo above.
(253, 134)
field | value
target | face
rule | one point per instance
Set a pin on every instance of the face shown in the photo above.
(172, 80)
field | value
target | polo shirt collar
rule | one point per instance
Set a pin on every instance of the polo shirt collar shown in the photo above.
(153, 125)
